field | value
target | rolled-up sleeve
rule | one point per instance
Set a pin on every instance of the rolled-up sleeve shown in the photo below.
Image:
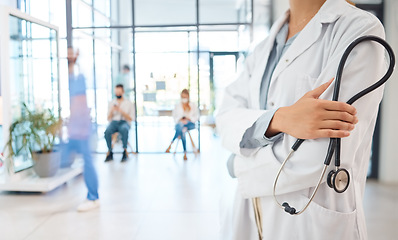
(254, 136)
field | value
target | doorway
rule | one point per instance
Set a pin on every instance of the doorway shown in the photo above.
(223, 67)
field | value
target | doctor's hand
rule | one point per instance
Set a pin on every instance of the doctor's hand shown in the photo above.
(311, 118)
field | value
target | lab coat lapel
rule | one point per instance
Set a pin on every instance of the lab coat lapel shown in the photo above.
(257, 75)
(329, 12)
(306, 38)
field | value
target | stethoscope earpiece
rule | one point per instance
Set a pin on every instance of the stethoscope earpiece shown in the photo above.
(289, 209)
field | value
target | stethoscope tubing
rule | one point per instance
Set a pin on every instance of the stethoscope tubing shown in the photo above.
(313, 193)
(335, 143)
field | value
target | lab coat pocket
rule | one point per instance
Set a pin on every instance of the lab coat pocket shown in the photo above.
(304, 84)
(339, 225)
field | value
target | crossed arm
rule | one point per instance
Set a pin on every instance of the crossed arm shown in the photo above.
(311, 118)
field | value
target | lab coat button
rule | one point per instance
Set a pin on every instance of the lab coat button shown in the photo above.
(271, 104)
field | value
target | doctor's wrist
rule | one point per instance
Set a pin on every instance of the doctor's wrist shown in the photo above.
(275, 125)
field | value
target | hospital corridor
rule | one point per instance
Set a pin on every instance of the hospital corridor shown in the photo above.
(155, 196)
(198, 119)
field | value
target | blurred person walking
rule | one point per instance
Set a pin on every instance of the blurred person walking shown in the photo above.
(79, 131)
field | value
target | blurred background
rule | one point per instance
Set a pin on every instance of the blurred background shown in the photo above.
(168, 45)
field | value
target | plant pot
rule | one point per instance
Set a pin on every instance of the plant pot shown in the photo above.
(46, 164)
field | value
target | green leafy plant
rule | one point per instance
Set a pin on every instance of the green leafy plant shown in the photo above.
(33, 131)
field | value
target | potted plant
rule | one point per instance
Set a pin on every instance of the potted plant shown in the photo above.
(35, 133)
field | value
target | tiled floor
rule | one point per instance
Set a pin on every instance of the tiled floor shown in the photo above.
(154, 196)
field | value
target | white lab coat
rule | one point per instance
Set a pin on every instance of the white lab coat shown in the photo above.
(310, 61)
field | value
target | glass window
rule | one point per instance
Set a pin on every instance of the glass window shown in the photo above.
(223, 74)
(33, 57)
(216, 41)
(84, 42)
(164, 67)
(160, 79)
(64, 87)
(101, 20)
(162, 42)
(106, 13)
(103, 7)
(55, 13)
(160, 12)
(263, 22)
(244, 38)
(33, 71)
(166, 57)
(40, 9)
(81, 14)
(121, 13)
(58, 17)
(122, 56)
(103, 77)
(233, 11)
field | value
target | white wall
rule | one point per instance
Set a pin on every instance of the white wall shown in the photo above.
(279, 7)
(389, 116)
(261, 20)
(261, 11)
(11, 3)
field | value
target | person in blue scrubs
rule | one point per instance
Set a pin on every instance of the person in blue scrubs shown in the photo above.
(79, 130)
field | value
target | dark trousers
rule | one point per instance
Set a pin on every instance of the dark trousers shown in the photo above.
(122, 127)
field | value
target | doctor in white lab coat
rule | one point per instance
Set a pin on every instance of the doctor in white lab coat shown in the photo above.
(298, 105)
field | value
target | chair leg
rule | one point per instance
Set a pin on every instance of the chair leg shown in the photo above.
(114, 141)
(195, 150)
(169, 147)
(178, 140)
(132, 151)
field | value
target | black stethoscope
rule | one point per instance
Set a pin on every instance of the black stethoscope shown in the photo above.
(338, 179)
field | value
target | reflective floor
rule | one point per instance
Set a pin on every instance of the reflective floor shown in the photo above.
(154, 196)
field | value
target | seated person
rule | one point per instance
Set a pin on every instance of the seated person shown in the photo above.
(185, 115)
(120, 115)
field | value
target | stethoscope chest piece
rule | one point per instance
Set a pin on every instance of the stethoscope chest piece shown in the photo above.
(338, 180)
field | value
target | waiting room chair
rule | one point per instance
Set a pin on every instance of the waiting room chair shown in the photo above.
(115, 139)
(195, 150)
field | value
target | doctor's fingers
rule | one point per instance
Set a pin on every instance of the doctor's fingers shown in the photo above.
(340, 116)
(332, 133)
(336, 125)
(337, 106)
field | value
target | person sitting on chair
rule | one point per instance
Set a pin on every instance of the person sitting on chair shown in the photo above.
(120, 115)
(185, 115)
